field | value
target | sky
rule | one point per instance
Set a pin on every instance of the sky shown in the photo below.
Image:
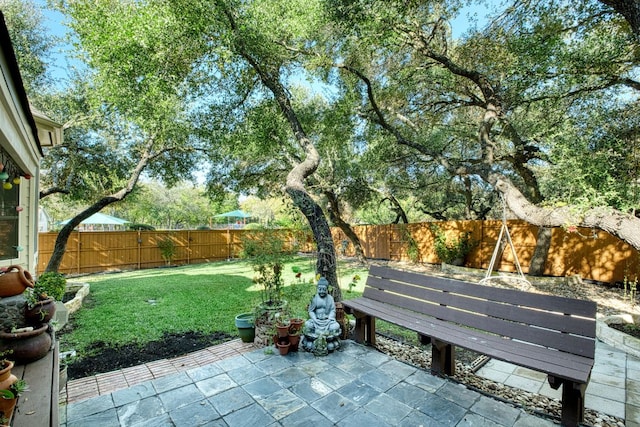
(63, 61)
(62, 57)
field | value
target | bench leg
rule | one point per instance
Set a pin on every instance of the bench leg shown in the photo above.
(443, 358)
(424, 340)
(572, 400)
(365, 332)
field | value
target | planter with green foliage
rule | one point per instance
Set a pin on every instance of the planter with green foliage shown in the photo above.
(51, 284)
(266, 251)
(41, 300)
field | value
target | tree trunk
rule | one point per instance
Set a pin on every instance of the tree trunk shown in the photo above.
(336, 217)
(268, 70)
(622, 225)
(630, 10)
(63, 237)
(401, 215)
(326, 262)
(543, 243)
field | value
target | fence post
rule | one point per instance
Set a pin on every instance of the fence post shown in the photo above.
(79, 248)
(139, 240)
(188, 247)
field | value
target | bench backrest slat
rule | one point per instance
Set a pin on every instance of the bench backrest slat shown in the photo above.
(571, 306)
(551, 321)
(497, 309)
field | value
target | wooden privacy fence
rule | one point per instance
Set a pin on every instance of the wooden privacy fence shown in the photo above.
(93, 251)
(592, 254)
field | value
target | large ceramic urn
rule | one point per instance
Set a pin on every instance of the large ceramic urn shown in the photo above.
(26, 346)
(14, 281)
(40, 312)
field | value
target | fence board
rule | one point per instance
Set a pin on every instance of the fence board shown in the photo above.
(591, 254)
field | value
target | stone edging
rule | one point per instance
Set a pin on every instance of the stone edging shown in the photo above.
(82, 290)
(614, 337)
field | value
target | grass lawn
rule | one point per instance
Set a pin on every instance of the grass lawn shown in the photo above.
(140, 306)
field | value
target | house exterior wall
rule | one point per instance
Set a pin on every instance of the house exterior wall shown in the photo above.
(19, 143)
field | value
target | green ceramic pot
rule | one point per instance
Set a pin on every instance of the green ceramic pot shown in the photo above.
(246, 328)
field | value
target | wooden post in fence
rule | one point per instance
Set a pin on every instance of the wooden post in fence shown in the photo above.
(139, 240)
(79, 245)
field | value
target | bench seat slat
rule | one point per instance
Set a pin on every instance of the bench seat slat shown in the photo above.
(545, 302)
(548, 338)
(412, 320)
(562, 365)
(498, 309)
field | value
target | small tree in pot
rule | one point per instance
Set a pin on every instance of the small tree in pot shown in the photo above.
(267, 251)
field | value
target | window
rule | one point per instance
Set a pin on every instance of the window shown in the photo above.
(9, 224)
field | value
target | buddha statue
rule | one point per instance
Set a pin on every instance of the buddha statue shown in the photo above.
(322, 320)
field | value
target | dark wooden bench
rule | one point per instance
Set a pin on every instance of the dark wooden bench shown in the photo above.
(550, 334)
(39, 407)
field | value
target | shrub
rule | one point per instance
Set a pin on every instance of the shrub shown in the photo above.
(141, 227)
(451, 251)
(267, 251)
(51, 283)
(167, 248)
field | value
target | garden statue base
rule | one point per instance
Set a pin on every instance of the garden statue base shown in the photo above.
(320, 345)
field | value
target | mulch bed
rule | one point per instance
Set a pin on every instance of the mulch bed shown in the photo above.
(106, 358)
(627, 328)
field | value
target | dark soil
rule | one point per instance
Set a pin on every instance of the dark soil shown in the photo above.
(106, 358)
(628, 328)
(68, 296)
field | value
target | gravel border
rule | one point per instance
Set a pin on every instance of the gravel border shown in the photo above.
(533, 403)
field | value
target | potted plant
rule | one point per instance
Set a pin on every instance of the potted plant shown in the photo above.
(294, 338)
(282, 326)
(283, 347)
(6, 376)
(9, 397)
(266, 251)
(295, 324)
(43, 299)
(52, 284)
(14, 280)
(26, 344)
(40, 309)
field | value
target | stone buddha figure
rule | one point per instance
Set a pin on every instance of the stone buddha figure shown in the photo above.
(322, 321)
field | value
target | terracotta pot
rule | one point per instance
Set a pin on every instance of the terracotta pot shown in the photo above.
(283, 331)
(41, 312)
(294, 340)
(6, 380)
(295, 325)
(7, 406)
(14, 281)
(27, 346)
(283, 348)
(6, 377)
